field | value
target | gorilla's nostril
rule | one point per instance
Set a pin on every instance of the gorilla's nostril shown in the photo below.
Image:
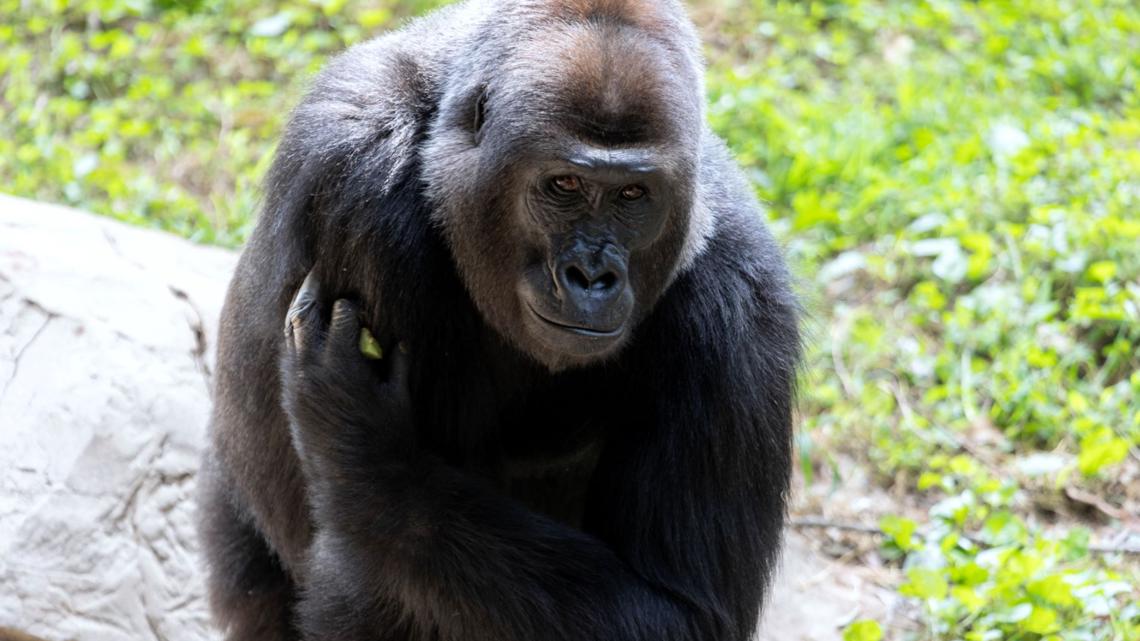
(604, 282)
(577, 277)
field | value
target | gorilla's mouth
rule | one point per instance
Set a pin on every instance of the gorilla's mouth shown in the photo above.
(580, 330)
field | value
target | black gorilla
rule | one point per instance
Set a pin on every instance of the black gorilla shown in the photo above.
(580, 428)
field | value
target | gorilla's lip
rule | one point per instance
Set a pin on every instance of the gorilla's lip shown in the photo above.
(578, 329)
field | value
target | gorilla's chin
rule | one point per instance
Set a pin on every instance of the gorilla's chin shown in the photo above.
(571, 340)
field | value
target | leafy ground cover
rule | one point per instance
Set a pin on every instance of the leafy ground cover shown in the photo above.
(964, 181)
(958, 183)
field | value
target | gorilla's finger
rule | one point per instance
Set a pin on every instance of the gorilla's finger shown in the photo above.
(344, 328)
(308, 294)
(399, 365)
(303, 318)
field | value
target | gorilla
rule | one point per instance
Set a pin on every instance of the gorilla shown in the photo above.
(580, 425)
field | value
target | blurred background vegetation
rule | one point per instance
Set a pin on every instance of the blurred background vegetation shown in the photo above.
(958, 183)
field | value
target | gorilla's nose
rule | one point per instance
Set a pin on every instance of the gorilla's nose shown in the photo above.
(590, 281)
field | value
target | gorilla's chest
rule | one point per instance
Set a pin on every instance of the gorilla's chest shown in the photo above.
(538, 439)
(548, 452)
(546, 437)
(533, 428)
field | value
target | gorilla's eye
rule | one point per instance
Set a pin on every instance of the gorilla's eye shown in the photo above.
(566, 183)
(632, 192)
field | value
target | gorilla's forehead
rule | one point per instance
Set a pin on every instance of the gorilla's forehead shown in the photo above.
(550, 154)
(605, 81)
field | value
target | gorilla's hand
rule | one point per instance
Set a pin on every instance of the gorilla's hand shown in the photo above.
(341, 404)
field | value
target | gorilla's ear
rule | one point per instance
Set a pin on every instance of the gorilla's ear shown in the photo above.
(479, 113)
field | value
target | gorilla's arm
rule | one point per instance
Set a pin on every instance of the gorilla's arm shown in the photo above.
(684, 521)
(403, 539)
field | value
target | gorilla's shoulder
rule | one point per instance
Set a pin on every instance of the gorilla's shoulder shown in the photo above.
(410, 59)
(738, 244)
(375, 87)
(387, 87)
(737, 286)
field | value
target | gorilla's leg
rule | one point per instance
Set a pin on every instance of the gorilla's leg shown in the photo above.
(251, 596)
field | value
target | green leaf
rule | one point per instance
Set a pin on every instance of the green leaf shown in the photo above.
(1043, 620)
(968, 597)
(924, 583)
(1014, 614)
(1102, 271)
(1052, 589)
(900, 531)
(369, 345)
(928, 480)
(1101, 449)
(864, 630)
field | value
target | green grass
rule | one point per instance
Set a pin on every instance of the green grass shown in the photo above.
(964, 180)
(162, 113)
(958, 183)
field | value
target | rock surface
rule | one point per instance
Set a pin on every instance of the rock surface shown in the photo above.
(104, 361)
(106, 346)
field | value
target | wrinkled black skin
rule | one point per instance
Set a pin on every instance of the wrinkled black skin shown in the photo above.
(480, 487)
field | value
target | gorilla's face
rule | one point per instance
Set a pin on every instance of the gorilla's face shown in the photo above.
(571, 245)
(564, 191)
(586, 216)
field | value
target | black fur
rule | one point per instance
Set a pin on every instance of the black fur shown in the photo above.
(495, 490)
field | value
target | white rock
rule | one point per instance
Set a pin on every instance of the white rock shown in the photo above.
(104, 360)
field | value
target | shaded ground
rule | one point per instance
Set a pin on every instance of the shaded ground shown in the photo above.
(106, 341)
